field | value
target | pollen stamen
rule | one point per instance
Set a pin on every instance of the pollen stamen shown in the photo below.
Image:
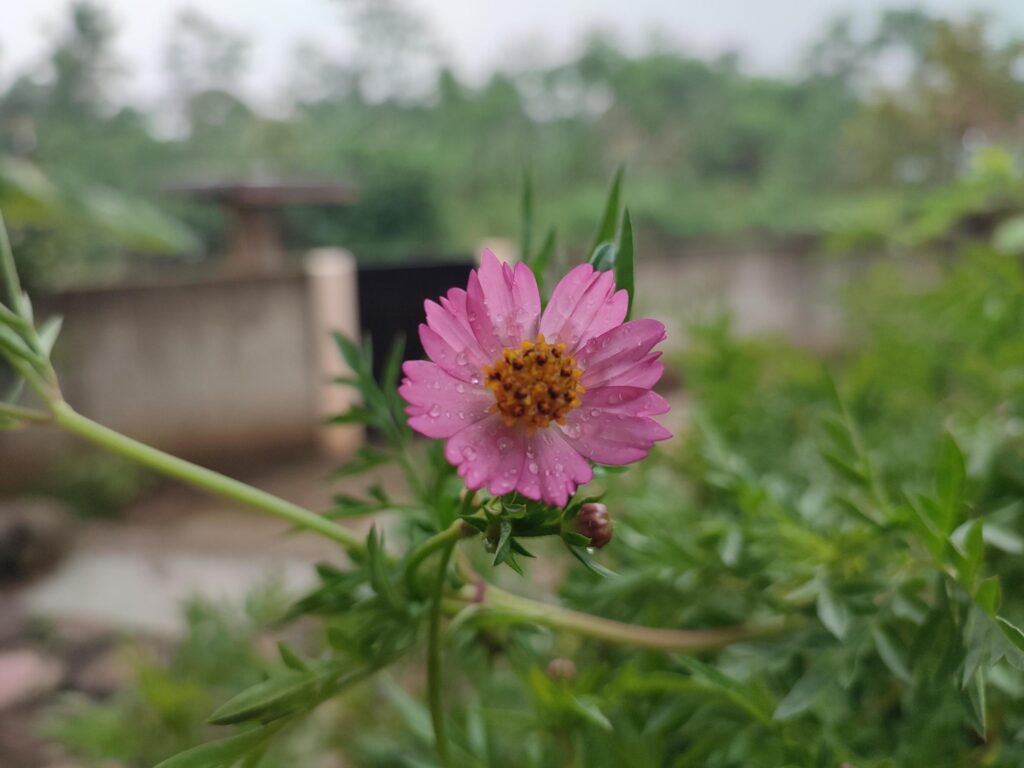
(535, 384)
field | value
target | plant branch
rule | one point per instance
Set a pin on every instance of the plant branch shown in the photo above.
(447, 537)
(25, 414)
(490, 597)
(202, 478)
(434, 681)
(8, 273)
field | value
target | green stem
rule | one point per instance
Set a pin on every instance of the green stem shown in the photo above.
(434, 682)
(8, 273)
(204, 479)
(681, 640)
(24, 414)
(448, 536)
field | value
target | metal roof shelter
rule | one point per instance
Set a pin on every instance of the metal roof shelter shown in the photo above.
(254, 209)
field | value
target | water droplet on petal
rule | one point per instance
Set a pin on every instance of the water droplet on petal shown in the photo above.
(474, 379)
(460, 387)
(469, 452)
(504, 444)
(533, 468)
(462, 415)
(573, 430)
(461, 358)
(594, 412)
(435, 411)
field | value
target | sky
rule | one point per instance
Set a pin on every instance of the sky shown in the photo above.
(478, 36)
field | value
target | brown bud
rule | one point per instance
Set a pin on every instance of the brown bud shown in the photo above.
(594, 522)
(561, 669)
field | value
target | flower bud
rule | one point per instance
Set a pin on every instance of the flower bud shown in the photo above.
(561, 669)
(594, 522)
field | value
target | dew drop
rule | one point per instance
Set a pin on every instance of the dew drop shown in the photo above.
(474, 379)
(504, 444)
(469, 452)
(437, 385)
(573, 430)
(435, 411)
(460, 387)
(461, 359)
(534, 469)
(595, 412)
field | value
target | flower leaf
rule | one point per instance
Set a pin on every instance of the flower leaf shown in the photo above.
(610, 217)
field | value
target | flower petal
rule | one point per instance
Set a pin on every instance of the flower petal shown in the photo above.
(511, 298)
(622, 356)
(488, 453)
(480, 319)
(450, 320)
(553, 469)
(583, 305)
(454, 362)
(614, 426)
(629, 401)
(439, 404)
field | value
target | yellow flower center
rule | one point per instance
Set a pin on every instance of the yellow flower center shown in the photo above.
(535, 384)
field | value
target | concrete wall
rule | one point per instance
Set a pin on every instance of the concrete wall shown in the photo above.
(208, 369)
(787, 288)
(235, 367)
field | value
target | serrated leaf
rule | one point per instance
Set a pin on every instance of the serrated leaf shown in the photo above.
(591, 565)
(590, 712)
(291, 658)
(891, 654)
(989, 595)
(833, 612)
(503, 549)
(366, 458)
(266, 701)
(968, 542)
(220, 754)
(1013, 633)
(376, 564)
(843, 467)
(624, 261)
(804, 693)
(975, 704)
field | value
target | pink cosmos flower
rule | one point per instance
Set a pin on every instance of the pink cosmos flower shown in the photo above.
(527, 399)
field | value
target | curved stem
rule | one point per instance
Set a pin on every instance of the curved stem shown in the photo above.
(24, 414)
(448, 536)
(434, 682)
(202, 478)
(493, 598)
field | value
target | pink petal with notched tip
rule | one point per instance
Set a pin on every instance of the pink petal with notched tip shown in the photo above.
(439, 404)
(614, 426)
(488, 453)
(552, 469)
(511, 299)
(583, 305)
(450, 320)
(623, 356)
(454, 362)
(479, 318)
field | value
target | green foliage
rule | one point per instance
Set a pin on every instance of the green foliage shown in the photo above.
(96, 485)
(711, 148)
